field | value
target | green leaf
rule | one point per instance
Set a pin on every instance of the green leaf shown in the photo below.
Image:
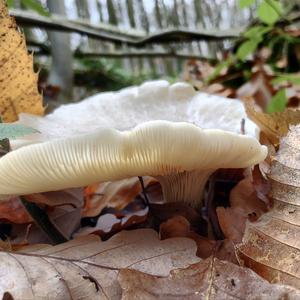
(246, 3)
(292, 78)
(13, 131)
(278, 102)
(257, 32)
(36, 6)
(10, 3)
(269, 11)
(246, 48)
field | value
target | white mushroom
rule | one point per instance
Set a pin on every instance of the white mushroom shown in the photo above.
(123, 110)
(180, 155)
(153, 129)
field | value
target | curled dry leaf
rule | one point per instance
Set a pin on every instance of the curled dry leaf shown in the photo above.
(63, 208)
(275, 125)
(178, 226)
(18, 81)
(116, 194)
(245, 205)
(271, 246)
(209, 279)
(166, 211)
(66, 218)
(87, 268)
(72, 197)
(259, 86)
(12, 210)
(109, 224)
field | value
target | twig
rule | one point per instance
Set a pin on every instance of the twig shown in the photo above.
(144, 191)
(211, 210)
(43, 222)
(243, 131)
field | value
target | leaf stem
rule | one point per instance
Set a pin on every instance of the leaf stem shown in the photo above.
(43, 222)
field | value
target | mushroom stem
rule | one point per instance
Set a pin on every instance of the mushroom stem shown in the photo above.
(187, 186)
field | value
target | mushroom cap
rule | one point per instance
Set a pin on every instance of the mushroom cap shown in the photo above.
(129, 107)
(153, 148)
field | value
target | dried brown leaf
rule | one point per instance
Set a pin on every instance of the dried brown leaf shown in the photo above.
(166, 211)
(271, 246)
(116, 194)
(275, 125)
(12, 210)
(109, 224)
(259, 87)
(179, 226)
(86, 268)
(245, 205)
(18, 81)
(73, 197)
(209, 279)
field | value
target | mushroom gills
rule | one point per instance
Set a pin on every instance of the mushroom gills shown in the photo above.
(187, 186)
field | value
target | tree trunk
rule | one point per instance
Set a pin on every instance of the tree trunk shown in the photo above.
(161, 16)
(131, 13)
(61, 73)
(112, 16)
(146, 26)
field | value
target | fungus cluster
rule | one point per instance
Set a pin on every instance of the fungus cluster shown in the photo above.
(154, 130)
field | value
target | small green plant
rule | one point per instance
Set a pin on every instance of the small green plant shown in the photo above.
(267, 32)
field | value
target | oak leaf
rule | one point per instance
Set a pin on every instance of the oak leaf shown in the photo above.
(275, 125)
(18, 81)
(87, 268)
(210, 279)
(271, 246)
(117, 194)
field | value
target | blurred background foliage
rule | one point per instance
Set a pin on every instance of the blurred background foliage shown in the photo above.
(262, 62)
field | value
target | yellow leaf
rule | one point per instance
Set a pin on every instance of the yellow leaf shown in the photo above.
(18, 81)
(274, 125)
